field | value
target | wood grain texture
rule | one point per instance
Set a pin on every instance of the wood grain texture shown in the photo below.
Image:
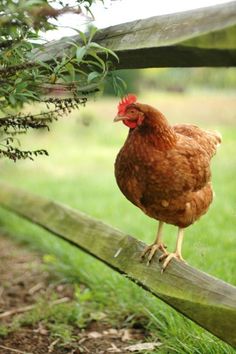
(201, 37)
(208, 301)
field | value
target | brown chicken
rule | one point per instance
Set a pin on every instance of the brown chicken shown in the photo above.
(164, 170)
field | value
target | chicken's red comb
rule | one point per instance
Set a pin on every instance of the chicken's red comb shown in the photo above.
(129, 99)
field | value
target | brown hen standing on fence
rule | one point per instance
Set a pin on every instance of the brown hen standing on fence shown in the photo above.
(164, 170)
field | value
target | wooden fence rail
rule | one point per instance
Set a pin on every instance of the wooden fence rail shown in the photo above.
(200, 37)
(204, 299)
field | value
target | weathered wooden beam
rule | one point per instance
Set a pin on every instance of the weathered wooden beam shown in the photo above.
(201, 37)
(208, 301)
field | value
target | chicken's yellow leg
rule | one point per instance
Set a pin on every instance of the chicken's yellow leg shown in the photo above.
(178, 251)
(157, 245)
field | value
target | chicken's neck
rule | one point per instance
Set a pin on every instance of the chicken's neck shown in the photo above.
(158, 131)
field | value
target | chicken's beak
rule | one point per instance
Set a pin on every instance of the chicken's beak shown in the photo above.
(118, 118)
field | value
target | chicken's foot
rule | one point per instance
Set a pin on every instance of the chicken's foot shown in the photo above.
(157, 245)
(177, 254)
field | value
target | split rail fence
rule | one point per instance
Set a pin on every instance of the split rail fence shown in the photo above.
(202, 37)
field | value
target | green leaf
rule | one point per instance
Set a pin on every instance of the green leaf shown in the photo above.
(70, 68)
(83, 37)
(18, 80)
(92, 32)
(122, 82)
(99, 60)
(95, 63)
(119, 85)
(45, 65)
(12, 99)
(21, 86)
(103, 49)
(93, 75)
(30, 95)
(78, 71)
(80, 53)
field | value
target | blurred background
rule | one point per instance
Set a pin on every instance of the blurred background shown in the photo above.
(79, 172)
(83, 146)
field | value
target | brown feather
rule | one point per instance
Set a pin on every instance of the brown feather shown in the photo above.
(165, 171)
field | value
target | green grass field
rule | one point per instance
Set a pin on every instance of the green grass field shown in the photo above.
(79, 172)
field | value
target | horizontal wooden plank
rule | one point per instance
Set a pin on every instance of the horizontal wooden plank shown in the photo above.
(185, 27)
(204, 299)
(201, 37)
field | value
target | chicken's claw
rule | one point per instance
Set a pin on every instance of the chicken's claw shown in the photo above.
(151, 251)
(168, 257)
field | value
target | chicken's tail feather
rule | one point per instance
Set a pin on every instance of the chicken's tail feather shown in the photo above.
(197, 205)
(209, 140)
(216, 136)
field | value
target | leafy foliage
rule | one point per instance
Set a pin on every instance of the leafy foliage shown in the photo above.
(24, 79)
